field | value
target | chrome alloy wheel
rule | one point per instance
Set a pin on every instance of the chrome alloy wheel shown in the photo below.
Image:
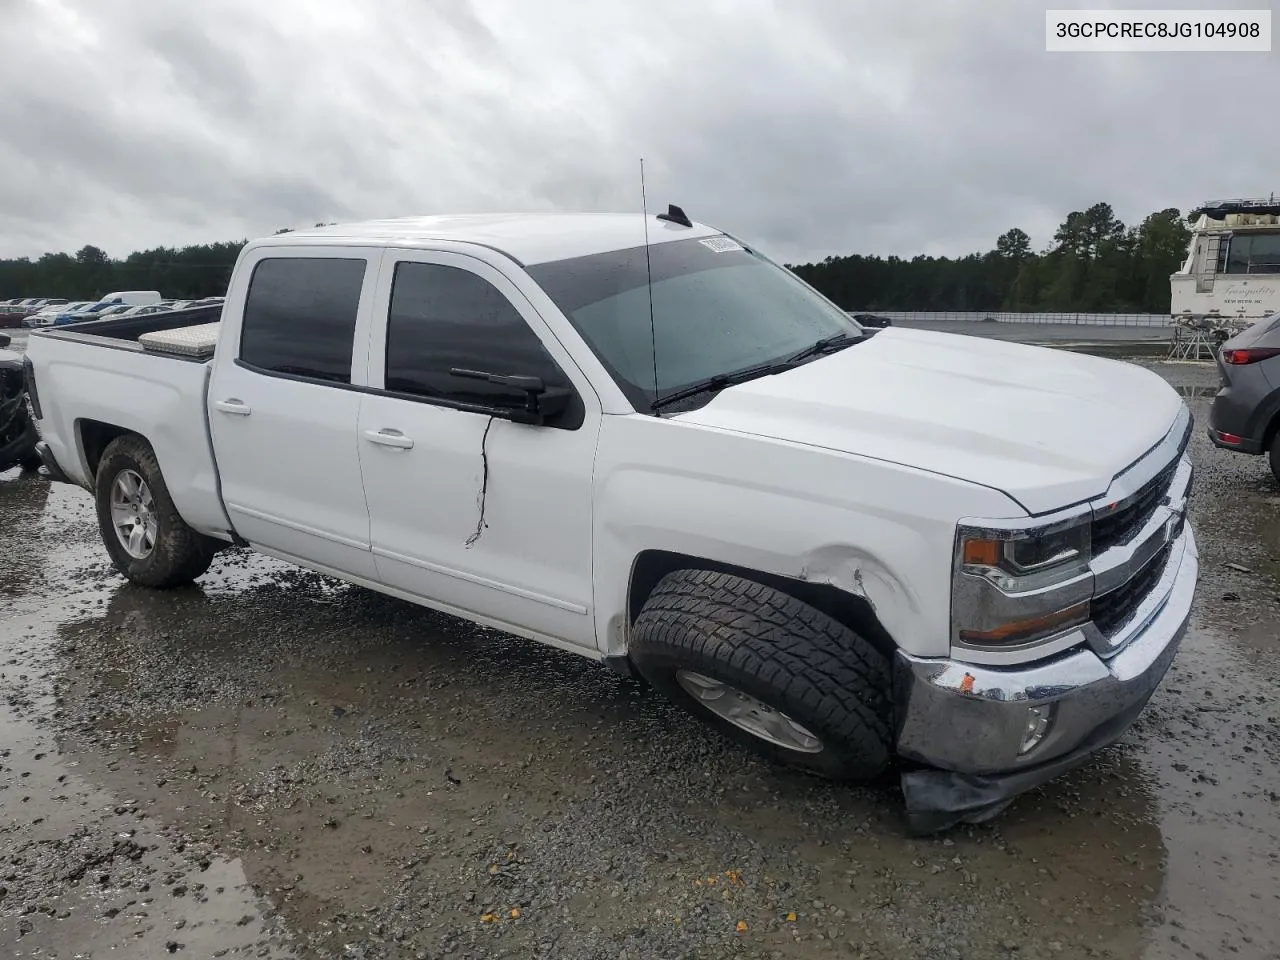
(133, 514)
(747, 713)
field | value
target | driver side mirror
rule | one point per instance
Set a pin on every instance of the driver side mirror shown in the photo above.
(540, 404)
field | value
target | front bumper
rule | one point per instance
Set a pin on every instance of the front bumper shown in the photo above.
(966, 723)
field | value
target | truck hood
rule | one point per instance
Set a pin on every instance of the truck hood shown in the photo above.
(1050, 428)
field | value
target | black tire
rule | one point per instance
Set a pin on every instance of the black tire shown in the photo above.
(179, 554)
(778, 650)
(1273, 456)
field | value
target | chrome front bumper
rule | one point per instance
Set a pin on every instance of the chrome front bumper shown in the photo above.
(968, 722)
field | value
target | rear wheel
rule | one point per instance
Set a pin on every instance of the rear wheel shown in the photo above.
(768, 671)
(146, 538)
(1274, 455)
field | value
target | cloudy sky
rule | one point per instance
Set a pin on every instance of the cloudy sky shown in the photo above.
(882, 126)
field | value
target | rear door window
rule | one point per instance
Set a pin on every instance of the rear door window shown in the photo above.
(300, 316)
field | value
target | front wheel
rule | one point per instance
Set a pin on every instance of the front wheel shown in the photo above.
(768, 671)
(146, 538)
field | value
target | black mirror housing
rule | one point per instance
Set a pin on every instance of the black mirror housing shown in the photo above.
(540, 403)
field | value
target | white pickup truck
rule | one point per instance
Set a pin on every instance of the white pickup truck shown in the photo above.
(958, 560)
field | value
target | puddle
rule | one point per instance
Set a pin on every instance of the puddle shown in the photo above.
(89, 872)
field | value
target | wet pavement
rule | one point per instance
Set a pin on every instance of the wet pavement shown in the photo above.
(275, 765)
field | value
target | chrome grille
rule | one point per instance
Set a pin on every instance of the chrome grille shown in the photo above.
(1135, 539)
(1118, 525)
(1111, 611)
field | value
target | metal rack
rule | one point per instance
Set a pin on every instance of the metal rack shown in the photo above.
(1199, 338)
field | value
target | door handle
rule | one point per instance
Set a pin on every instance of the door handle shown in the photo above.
(389, 438)
(234, 407)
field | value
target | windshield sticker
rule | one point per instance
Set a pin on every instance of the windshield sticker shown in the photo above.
(721, 244)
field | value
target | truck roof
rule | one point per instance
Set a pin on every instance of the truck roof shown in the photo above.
(527, 238)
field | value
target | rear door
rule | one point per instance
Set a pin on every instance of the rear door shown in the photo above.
(470, 512)
(284, 404)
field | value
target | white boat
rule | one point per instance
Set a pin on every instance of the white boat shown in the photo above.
(1231, 276)
(1232, 270)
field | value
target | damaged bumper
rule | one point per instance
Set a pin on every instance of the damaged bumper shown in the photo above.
(969, 726)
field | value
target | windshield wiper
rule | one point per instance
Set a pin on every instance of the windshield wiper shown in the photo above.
(836, 341)
(719, 382)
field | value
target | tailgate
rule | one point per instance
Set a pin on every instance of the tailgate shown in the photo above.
(89, 389)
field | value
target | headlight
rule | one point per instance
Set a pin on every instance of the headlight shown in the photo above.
(1020, 587)
(1009, 556)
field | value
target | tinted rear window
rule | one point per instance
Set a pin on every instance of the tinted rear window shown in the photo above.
(300, 316)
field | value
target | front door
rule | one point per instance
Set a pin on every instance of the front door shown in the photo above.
(474, 513)
(283, 410)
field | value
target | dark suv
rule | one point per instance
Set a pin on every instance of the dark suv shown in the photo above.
(1245, 415)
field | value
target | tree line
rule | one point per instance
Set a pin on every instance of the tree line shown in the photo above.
(186, 273)
(1095, 264)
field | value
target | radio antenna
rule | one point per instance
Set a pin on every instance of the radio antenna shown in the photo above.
(648, 268)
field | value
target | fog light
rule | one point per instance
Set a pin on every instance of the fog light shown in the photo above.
(1039, 720)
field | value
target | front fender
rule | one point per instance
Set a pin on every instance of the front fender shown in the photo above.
(880, 531)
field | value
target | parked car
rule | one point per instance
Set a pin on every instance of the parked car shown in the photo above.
(16, 313)
(113, 310)
(125, 310)
(1245, 413)
(91, 312)
(47, 315)
(831, 546)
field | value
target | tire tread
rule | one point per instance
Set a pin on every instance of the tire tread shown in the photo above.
(837, 679)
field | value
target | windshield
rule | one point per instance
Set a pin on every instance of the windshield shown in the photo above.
(718, 308)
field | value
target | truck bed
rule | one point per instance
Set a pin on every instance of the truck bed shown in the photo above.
(95, 380)
(122, 333)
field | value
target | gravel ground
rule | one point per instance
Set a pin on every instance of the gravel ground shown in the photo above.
(272, 764)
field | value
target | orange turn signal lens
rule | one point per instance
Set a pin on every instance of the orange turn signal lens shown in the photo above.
(981, 553)
(1033, 628)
